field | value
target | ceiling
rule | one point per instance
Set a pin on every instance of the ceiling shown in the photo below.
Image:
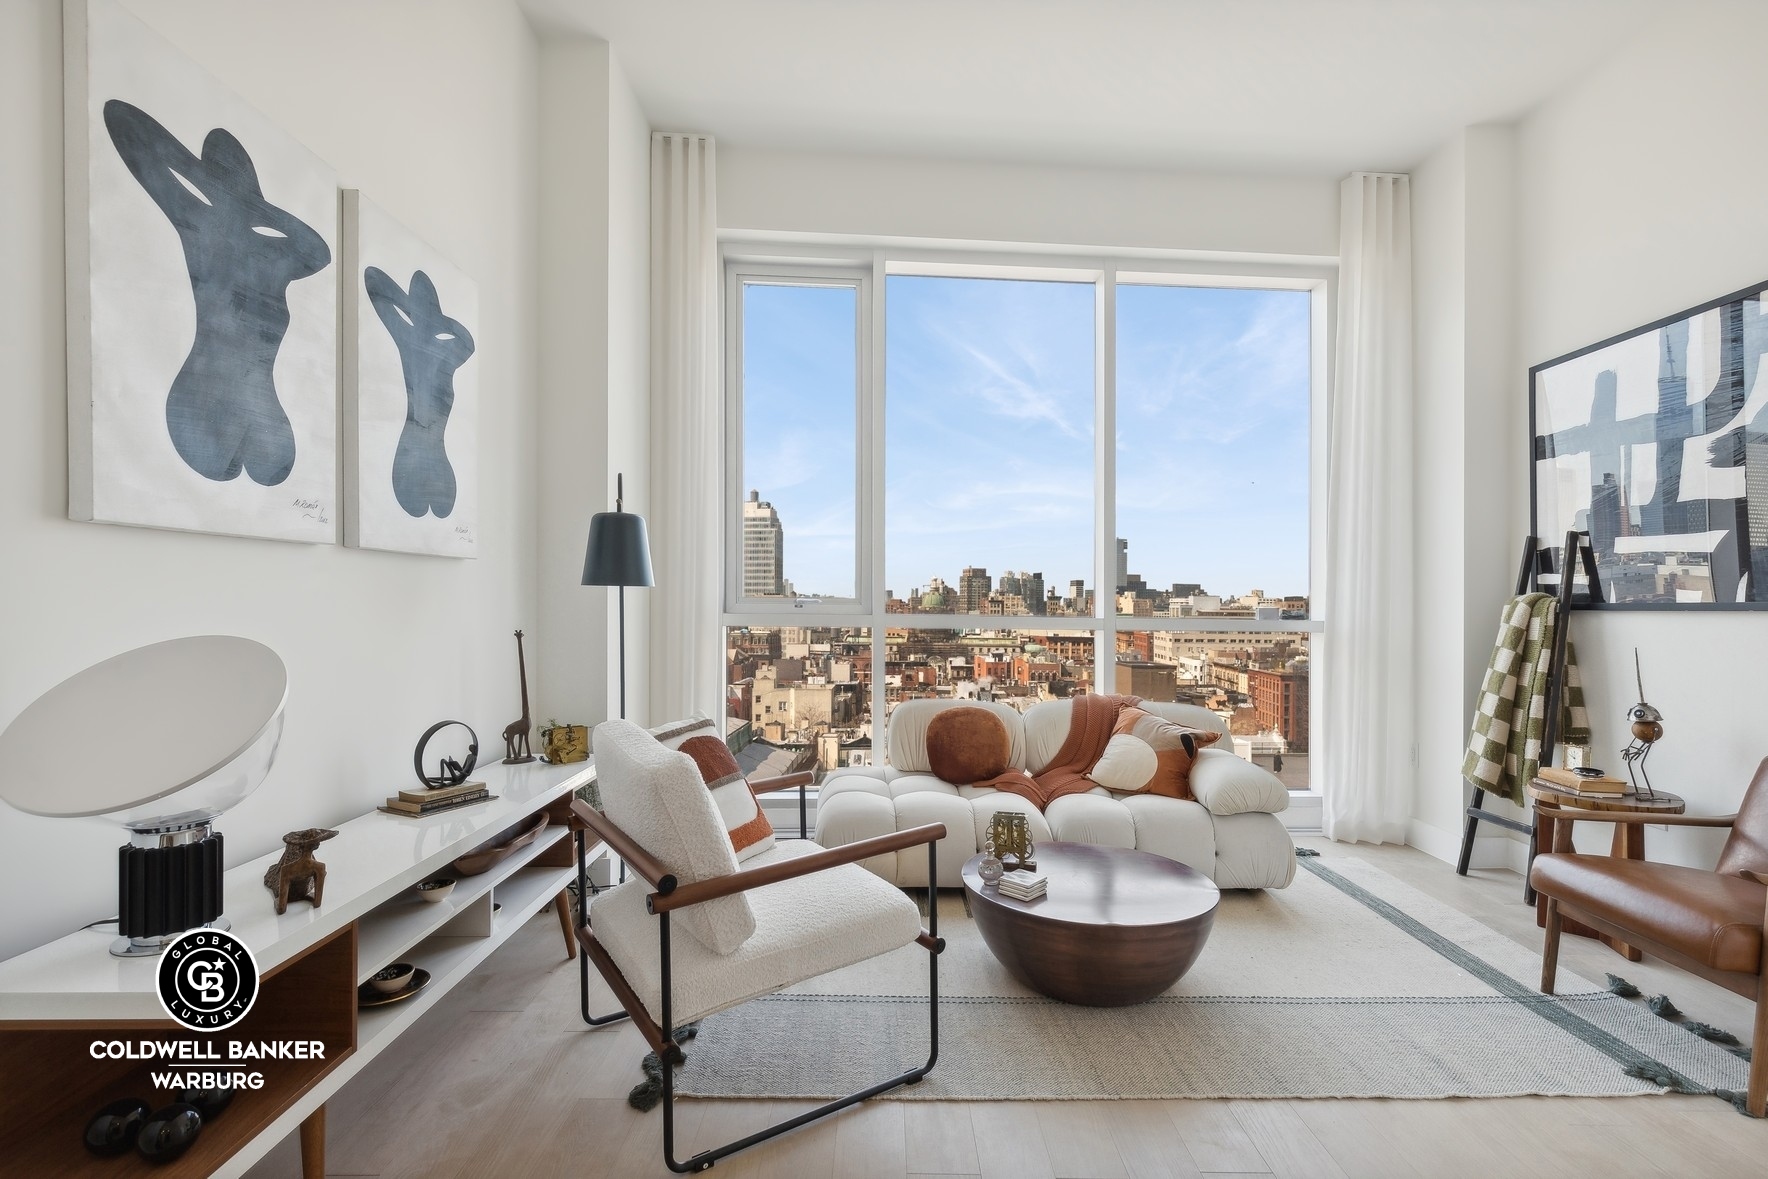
(1282, 86)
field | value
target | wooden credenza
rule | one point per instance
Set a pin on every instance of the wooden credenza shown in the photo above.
(60, 999)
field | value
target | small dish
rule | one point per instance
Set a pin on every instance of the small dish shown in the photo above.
(393, 979)
(367, 996)
(437, 889)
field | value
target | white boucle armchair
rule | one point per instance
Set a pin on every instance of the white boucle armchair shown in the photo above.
(786, 915)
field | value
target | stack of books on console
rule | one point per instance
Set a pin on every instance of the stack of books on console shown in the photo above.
(1578, 783)
(443, 798)
(1022, 885)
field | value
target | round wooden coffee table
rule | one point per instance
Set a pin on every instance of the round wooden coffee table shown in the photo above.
(1117, 926)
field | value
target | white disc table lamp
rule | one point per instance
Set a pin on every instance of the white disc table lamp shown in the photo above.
(190, 728)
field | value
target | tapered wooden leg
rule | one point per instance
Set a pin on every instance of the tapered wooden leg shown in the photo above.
(1550, 947)
(1757, 1097)
(313, 1145)
(1628, 844)
(562, 906)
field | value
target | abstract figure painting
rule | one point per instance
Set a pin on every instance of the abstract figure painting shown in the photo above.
(1656, 443)
(202, 298)
(410, 391)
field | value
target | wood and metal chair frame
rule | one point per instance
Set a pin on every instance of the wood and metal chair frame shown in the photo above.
(760, 786)
(1750, 986)
(671, 895)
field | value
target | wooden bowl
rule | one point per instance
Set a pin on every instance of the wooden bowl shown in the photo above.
(437, 889)
(392, 979)
(505, 843)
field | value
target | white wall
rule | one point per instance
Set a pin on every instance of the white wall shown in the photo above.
(792, 193)
(1631, 195)
(428, 106)
(595, 365)
(1640, 194)
(1463, 271)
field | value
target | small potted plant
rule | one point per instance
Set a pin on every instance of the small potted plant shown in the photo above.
(562, 744)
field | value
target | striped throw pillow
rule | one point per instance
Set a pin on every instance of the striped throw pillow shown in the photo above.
(750, 832)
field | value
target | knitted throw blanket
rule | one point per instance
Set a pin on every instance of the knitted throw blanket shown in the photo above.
(1510, 721)
(1089, 731)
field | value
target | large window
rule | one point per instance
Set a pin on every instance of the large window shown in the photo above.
(796, 522)
(1020, 482)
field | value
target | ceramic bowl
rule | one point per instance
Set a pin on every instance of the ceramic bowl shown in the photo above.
(435, 890)
(393, 978)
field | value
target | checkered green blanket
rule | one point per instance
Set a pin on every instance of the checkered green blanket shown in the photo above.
(1504, 749)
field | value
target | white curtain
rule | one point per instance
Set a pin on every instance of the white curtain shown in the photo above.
(1366, 772)
(686, 434)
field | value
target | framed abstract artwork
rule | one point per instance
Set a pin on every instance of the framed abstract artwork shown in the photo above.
(202, 298)
(411, 391)
(1655, 442)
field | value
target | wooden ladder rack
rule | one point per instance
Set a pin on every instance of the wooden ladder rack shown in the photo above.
(1537, 562)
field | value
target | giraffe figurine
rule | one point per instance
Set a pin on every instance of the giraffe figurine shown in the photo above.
(515, 734)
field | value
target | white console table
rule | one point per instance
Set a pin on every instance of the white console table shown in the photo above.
(57, 999)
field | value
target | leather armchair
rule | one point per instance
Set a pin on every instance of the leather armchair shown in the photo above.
(1714, 924)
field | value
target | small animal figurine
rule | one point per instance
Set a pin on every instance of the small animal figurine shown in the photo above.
(298, 876)
(515, 734)
(1647, 729)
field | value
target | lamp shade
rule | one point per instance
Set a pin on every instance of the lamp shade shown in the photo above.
(194, 723)
(619, 551)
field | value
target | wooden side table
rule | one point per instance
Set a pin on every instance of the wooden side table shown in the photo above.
(1628, 843)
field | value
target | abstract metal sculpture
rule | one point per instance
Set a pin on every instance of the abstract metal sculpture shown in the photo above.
(1648, 729)
(449, 771)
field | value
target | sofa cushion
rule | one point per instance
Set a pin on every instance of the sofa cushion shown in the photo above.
(1127, 766)
(804, 927)
(1253, 850)
(967, 745)
(656, 795)
(906, 731)
(1094, 818)
(1173, 828)
(1230, 785)
(1174, 747)
(750, 832)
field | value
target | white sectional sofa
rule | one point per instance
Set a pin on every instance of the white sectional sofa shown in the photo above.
(1231, 834)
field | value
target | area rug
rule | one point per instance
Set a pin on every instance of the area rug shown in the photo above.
(1347, 984)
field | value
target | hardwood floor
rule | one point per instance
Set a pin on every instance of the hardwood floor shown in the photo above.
(501, 1080)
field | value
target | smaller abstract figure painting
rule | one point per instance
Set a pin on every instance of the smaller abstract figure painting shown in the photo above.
(202, 298)
(411, 402)
(1656, 444)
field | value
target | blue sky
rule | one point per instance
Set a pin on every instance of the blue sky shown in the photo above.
(989, 431)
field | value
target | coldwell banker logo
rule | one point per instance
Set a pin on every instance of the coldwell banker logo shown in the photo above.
(208, 980)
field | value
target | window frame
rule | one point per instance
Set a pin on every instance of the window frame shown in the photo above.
(818, 274)
(807, 260)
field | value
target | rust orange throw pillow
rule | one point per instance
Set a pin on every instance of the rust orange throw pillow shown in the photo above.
(750, 832)
(968, 745)
(1175, 747)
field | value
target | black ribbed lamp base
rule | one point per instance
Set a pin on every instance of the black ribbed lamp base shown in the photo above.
(167, 882)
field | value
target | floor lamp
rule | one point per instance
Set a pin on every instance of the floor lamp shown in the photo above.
(619, 555)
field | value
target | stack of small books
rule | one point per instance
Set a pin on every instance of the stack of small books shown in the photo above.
(1577, 783)
(442, 798)
(1023, 885)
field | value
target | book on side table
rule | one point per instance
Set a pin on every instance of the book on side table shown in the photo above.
(1577, 783)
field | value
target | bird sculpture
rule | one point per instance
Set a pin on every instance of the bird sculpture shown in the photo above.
(1647, 729)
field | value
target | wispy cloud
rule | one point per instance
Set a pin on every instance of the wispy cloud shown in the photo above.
(989, 406)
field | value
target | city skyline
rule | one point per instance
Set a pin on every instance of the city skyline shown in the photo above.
(1213, 431)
